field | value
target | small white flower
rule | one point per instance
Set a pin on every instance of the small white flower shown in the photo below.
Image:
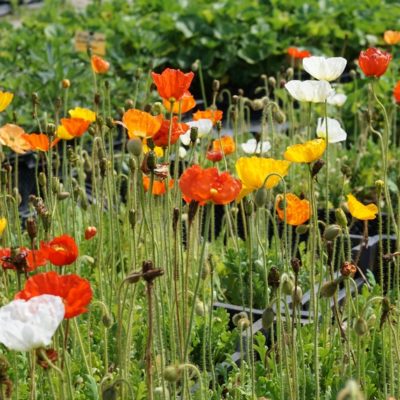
(337, 99)
(309, 91)
(324, 69)
(203, 126)
(27, 325)
(335, 131)
(182, 152)
(252, 147)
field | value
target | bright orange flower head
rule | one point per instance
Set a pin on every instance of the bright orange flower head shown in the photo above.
(172, 83)
(178, 128)
(12, 136)
(74, 290)
(396, 92)
(213, 115)
(60, 251)
(185, 104)
(141, 124)
(296, 53)
(34, 258)
(391, 37)
(75, 127)
(297, 211)
(226, 144)
(203, 185)
(359, 210)
(99, 65)
(374, 62)
(159, 187)
(39, 141)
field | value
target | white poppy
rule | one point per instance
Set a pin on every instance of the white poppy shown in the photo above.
(338, 99)
(27, 325)
(335, 131)
(324, 69)
(309, 91)
(252, 147)
(203, 126)
(182, 152)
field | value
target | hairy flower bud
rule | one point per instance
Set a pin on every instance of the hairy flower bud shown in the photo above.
(331, 232)
(135, 147)
(361, 326)
(341, 218)
(268, 317)
(261, 197)
(328, 289)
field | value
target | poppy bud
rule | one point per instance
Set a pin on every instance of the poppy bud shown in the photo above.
(205, 271)
(99, 121)
(282, 83)
(195, 65)
(90, 232)
(272, 81)
(133, 277)
(248, 207)
(157, 108)
(110, 122)
(235, 99)
(200, 308)
(273, 277)
(135, 147)
(287, 284)
(371, 321)
(361, 326)
(63, 196)
(261, 197)
(172, 373)
(237, 317)
(297, 295)
(302, 229)
(379, 184)
(65, 83)
(35, 98)
(348, 269)
(353, 73)
(132, 218)
(55, 185)
(107, 320)
(243, 323)
(267, 318)
(97, 99)
(51, 129)
(328, 289)
(346, 170)
(151, 160)
(257, 104)
(17, 196)
(341, 218)
(216, 85)
(317, 167)
(31, 227)
(103, 167)
(331, 232)
(278, 115)
(46, 221)
(42, 179)
(240, 92)
(194, 132)
(193, 207)
(296, 264)
(132, 165)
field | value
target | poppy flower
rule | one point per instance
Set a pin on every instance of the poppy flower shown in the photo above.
(159, 187)
(5, 100)
(309, 91)
(396, 92)
(226, 144)
(90, 232)
(324, 69)
(177, 129)
(3, 225)
(391, 37)
(337, 99)
(157, 149)
(335, 131)
(361, 211)
(24, 260)
(203, 185)
(213, 115)
(75, 127)
(60, 251)
(39, 141)
(252, 146)
(12, 136)
(214, 155)
(253, 173)
(74, 290)
(99, 65)
(140, 123)
(82, 113)
(305, 152)
(203, 126)
(296, 53)
(297, 211)
(374, 62)
(172, 83)
(28, 325)
(185, 104)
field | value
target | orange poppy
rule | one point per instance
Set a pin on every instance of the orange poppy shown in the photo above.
(140, 123)
(186, 103)
(33, 258)
(297, 53)
(172, 83)
(178, 128)
(203, 185)
(74, 290)
(213, 115)
(159, 187)
(12, 136)
(297, 211)
(99, 65)
(75, 127)
(391, 37)
(39, 141)
(60, 251)
(226, 144)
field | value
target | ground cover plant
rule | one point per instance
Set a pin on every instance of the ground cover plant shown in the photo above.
(146, 211)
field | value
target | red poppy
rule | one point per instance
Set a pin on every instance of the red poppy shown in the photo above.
(159, 187)
(374, 62)
(99, 65)
(90, 232)
(215, 155)
(178, 128)
(208, 184)
(294, 52)
(396, 92)
(62, 250)
(24, 259)
(74, 290)
(172, 83)
(76, 127)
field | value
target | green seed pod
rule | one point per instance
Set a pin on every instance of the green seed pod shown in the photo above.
(261, 197)
(361, 326)
(237, 317)
(302, 229)
(329, 288)
(135, 147)
(268, 317)
(332, 232)
(341, 218)
(172, 373)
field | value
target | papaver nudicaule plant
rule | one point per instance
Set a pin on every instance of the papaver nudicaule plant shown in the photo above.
(324, 69)
(309, 91)
(27, 325)
(335, 132)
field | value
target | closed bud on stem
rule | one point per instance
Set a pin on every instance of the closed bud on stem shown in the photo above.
(243, 323)
(278, 115)
(287, 284)
(107, 320)
(151, 160)
(274, 277)
(248, 207)
(135, 147)
(172, 373)
(317, 167)
(235, 99)
(97, 99)
(195, 65)
(42, 179)
(132, 218)
(31, 228)
(297, 294)
(51, 130)
(267, 318)
(237, 317)
(331, 232)
(46, 221)
(200, 308)
(65, 83)
(55, 185)
(175, 219)
(63, 196)
(296, 265)
(216, 85)
(157, 108)
(132, 165)
(302, 229)
(194, 132)
(103, 167)
(35, 99)
(328, 289)
(17, 196)
(100, 121)
(361, 326)
(272, 81)
(353, 73)
(261, 197)
(379, 184)
(193, 207)
(289, 73)
(341, 218)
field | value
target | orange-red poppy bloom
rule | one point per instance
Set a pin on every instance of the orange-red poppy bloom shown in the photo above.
(374, 62)
(99, 65)
(214, 155)
(159, 187)
(226, 144)
(178, 128)
(297, 211)
(296, 53)
(203, 185)
(213, 115)
(396, 92)
(141, 124)
(391, 37)
(33, 258)
(185, 104)
(172, 83)
(39, 141)
(60, 251)
(76, 127)
(74, 290)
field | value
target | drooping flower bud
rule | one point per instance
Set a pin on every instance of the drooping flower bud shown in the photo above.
(341, 218)
(332, 232)
(361, 326)
(328, 289)
(135, 147)
(268, 317)
(261, 197)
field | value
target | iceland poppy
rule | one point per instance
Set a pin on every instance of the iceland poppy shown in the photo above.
(60, 251)
(177, 129)
(172, 83)
(297, 210)
(374, 62)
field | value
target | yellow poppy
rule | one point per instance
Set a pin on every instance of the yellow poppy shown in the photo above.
(253, 171)
(62, 133)
(83, 113)
(5, 100)
(305, 152)
(3, 225)
(361, 211)
(157, 149)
